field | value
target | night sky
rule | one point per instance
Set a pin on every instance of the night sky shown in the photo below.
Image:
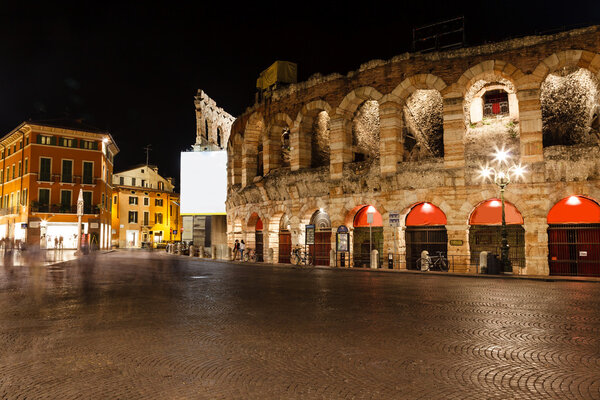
(134, 69)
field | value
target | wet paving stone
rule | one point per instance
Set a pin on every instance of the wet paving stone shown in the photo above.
(136, 325)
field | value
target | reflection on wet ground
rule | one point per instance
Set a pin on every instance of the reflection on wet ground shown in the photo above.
(149, 325)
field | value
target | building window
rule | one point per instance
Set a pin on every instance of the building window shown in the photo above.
(13, 171)
(45, 165)
(44, 200)
(19, 170)
(158, 218)
(67, 171)
(26, 166)
(133, 200)
(65, 200)
(42, 139)
(132, 181)
(133, 218)
(146, 218)
(103, 200)
(7, 174)
(88, 145)
(115, 199)
(121, 180)
(27, 140)
(87, 202)
(20, 145)
(143, 183)
(67, 142)
(161, 186)
(24, 198)
(2, 176)
(158, 202)
(495, 103)
(146, 201)
(88, 172)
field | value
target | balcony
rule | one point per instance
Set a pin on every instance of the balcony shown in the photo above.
(9, 210)
(62, 209)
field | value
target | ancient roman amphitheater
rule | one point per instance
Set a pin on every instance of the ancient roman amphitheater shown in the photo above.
(409, 136)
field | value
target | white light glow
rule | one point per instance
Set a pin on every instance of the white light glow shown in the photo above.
(371, 210)
(203, 182)
(501, 155)
(573, 201)
(495, 203)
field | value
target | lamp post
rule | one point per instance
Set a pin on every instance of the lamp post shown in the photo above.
(370, 213)
(501, 176)
(79, 215)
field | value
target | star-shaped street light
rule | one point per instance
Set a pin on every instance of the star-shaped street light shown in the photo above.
(502, 174)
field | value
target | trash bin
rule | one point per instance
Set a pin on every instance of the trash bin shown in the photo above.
(493, 264)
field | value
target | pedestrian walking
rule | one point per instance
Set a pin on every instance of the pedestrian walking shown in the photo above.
(242, 248)
(236, 247)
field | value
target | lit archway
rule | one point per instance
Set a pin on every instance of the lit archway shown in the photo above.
(425, 230)
(285, 240)
(486, 227)
(320, 250)
(574, 237)
(258, 240)
(367, 236)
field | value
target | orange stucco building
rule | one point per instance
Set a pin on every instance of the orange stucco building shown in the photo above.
(44, 165)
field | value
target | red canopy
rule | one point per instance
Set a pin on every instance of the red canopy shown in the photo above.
(259, 225)
(360, 219)
(574, 210)
(425, 214)
(490, 213)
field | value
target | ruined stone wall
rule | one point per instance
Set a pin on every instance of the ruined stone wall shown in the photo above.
(211, 121)
(427, 99)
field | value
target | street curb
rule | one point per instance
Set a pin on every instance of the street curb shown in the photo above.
(404, 271)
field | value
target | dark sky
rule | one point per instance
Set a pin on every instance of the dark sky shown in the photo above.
(134, 69)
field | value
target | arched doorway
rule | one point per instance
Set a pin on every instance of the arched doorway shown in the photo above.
(285, 240)
(258, 240)
(486, 228)
(320, 250)
(574, 237)
(367, 236)
(425, 230)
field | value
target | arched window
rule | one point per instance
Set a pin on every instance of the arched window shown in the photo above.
(206, 129)
(219, 137)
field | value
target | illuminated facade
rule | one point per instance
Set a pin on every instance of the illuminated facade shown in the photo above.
(145, 208)
(43, 166)
(409, 136)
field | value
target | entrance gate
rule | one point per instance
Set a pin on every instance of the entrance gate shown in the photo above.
(574, 249)
(258, 240)
(285, 241)
(320, 250)
(419, 238)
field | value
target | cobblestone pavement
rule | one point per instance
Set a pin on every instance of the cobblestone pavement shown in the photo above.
(155, 326)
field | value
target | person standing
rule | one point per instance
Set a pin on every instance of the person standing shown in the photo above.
(242, 248)
(236, 247)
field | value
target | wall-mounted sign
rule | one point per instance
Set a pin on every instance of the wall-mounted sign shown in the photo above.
(342, 229)
(34, 224)
(93, 225)
(394, 219)
(456, 243)
(583, 254)
(310, 234)
(23, 226)
(342, 241)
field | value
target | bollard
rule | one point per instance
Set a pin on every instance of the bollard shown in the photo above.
(332, 260)
(191, 251)
(214, 252)
(483, 262)
(425, 260)
(270, 255)
(374, 258)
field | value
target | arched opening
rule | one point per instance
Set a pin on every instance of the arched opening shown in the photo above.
(425, 230)
(486, 228)
(320, 250)
(574, 237)
(423, 125)
(320, 140)
(258, 240)
(286, 154)
(219, 137)
(285, 240)
(570, 108)
(365, 131)
(367, 235)
(260, 171)
(491, 113)
(206, 129)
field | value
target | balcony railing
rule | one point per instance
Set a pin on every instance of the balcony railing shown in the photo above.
(9, 210)
(63, 209)
(77, 179)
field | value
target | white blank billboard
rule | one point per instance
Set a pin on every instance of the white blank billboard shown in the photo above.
(203, 182)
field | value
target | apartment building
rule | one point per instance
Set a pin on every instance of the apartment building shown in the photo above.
(43, 166)
(145, 208)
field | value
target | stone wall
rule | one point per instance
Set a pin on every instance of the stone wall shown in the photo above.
(213, 124)
(395, 178)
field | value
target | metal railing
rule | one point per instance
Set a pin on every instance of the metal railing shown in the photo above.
(62, 209)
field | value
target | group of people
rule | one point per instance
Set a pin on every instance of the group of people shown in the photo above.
(239, 247)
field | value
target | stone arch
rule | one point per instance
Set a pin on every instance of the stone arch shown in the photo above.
(355, 98)
(310, 135)
(567, 58)
(485, 68)
(219, 137)
(411, 84)
(253, 133)
(277, 143)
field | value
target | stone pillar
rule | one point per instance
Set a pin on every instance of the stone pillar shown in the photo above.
(248, 164)
(530, 122)
(300, 141)
(536, 247)
(340, 146)
(271, 243)
(454, 133)
(271, 152)
(458, 256)
(391, 144)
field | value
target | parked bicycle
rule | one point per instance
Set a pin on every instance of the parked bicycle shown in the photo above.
(300, 257)
(250, 255)
(433, 263)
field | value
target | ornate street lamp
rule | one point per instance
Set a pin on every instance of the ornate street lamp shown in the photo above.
(501, 175)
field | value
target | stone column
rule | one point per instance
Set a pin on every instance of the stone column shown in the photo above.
(248, 163)
(340, 145)
(530, 122)
(271, 153)
(536, 246)
(300, 141)
(391, 143)
(454, 133)
(458, 256)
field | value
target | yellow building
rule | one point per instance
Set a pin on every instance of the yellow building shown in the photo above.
(43, 166)
(145, 208)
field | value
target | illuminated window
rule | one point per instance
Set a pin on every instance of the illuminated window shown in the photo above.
(495, 102)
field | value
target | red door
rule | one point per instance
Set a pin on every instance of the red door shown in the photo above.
(320, 250)
(285, 247)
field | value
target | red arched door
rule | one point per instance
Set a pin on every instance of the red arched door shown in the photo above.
(367, 236)
(320, 250)
(574, 237)
(285, 240)
(425, 230)
(258, 238)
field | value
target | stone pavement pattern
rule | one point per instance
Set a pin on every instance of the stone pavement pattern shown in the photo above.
(154, 326)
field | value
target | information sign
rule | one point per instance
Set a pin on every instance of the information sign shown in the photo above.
(394, 219)
(310, 234)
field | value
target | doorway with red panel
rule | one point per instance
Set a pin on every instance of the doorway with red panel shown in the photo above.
(258, 240)
(285, 240)
(322, 247)
(574, 237)
(425, 230)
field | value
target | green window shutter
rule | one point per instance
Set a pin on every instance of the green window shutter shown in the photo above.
(81, 142)
(53, 140)
(38, 139)
(95, 146)
(74, 145)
